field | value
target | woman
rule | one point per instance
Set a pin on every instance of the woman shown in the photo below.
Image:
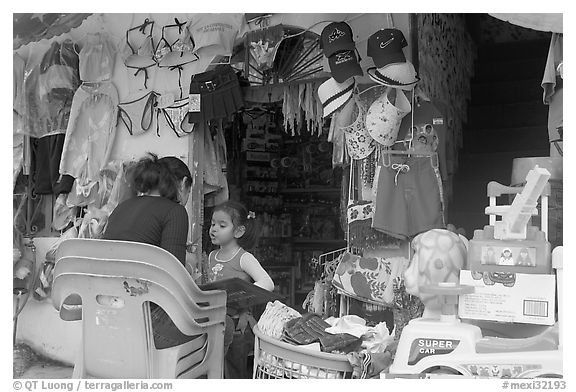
(156, 216)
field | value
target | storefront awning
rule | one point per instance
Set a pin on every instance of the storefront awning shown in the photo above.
(35, 27)
(541, 22)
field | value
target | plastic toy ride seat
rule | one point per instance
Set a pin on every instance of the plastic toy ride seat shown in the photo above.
(546, 341)
(117, 338)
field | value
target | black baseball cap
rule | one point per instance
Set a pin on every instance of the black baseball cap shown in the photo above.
(336, 37)
(344, 65)
(385, 47)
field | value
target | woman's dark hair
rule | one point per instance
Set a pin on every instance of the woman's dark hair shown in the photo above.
(178, 169)
(239, 215)
(163, 175)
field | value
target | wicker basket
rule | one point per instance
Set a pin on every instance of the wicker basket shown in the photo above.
(274, 359)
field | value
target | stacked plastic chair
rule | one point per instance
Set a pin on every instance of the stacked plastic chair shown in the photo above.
(109, 286)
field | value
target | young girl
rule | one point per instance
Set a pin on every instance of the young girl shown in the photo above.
(233, 229)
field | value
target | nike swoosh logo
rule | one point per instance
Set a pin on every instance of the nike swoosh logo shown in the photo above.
(385, 44)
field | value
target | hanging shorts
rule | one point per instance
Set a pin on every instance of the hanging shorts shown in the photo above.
(408, 198)
(46, 154)
(219, 94)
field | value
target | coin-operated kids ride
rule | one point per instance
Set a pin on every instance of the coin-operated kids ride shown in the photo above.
(440, 343)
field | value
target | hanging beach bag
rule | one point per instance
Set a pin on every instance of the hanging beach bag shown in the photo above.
(368, 278)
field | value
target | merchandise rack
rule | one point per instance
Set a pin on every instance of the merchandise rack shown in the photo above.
(274, 359)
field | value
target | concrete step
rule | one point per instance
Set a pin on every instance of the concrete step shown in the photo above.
(514, 50)
(506, 91)
(513, 69)
(506, 139)
(507, 115)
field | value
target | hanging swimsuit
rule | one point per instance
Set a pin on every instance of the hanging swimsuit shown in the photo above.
(358, 141)
(137, 115)
(176, 116)
(142, 58)
(178, 53)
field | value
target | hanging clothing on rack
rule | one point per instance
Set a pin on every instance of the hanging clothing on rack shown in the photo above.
(138, 51)
(175, 117)
(45, 162)
(214, 34)
(138, 112)
(408, 196)
(214, 95)
(552, 84)
(18, 65)
(90, 134)
(215, 160)
(58, 81)
(360, 214)
(96, 58)
(175, 54)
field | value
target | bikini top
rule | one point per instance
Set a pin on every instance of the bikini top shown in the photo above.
(140, 58)
(358, 124)
(179, 52)
(359, 142)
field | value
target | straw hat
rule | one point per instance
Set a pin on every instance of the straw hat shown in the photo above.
(398, 75)
(334, 95)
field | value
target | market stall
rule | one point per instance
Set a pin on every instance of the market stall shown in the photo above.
(338, 132)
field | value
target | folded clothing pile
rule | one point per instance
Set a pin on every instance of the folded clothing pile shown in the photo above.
(311, 328)
(275, 316)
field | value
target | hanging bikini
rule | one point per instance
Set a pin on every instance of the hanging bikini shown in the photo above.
(138, 115)
(178, 53)
(141, 58)
(176, 117)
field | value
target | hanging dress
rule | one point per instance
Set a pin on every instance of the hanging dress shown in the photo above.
(90, 134)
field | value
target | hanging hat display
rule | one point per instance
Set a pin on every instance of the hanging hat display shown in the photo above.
(344, 65)
(359, 143)
(397, 75)
(385, 47)
(383, 118)
(336, 37)
(334, 95)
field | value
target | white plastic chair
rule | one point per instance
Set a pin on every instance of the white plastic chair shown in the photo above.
(117, 338)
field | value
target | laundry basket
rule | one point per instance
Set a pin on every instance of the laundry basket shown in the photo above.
(275, 359)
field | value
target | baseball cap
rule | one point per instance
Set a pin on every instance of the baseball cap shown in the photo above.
(335, 37)
(385, 47)
(344, 65)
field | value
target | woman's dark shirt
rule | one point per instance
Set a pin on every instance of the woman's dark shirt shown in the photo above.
(152, 220)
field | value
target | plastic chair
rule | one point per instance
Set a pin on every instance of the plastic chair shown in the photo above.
(134, 251)
(136, 270)
(116, 325)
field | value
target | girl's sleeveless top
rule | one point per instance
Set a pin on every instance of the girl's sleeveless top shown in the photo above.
(219, 270)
